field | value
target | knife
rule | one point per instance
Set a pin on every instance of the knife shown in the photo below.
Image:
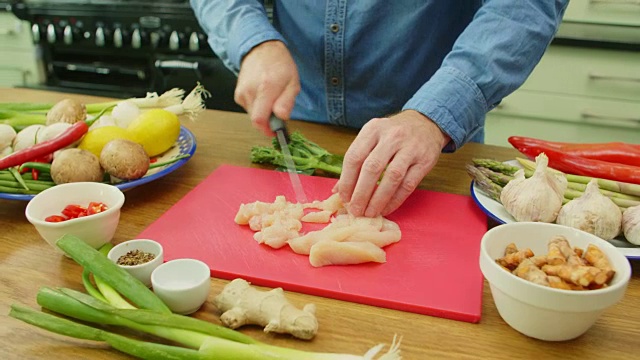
(278, 126)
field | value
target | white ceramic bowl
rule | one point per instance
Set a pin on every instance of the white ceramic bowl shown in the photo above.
(183, 284)
(143, 271)
(542, 312)
(96, 230)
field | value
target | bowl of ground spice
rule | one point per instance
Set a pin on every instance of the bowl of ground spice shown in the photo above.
(139, 257)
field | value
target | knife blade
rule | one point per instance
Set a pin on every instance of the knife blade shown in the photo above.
(278, 126)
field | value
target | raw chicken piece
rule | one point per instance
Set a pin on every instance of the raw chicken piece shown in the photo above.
(275, 236)
(348, 219)
(319, 217)
(332, 203)
(345, 240)
(378, 238)
(345, 253)
(259, 222)
(332, 232)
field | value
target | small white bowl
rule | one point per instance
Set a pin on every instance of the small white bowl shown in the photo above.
(182, 284)
(141, 272)
(542, 312)
(96, 230)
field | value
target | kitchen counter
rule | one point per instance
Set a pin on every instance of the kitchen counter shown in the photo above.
(27, 263)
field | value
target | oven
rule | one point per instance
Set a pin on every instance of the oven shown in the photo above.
(125, 48)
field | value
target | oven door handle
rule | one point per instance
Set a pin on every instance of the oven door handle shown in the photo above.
(177, 65)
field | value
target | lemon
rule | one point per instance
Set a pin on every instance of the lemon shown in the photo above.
(156, 130)
(96, 139)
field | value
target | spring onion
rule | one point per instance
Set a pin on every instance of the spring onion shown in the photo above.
(107, 291)
(106, 270)
(21, 115)
(198, 339)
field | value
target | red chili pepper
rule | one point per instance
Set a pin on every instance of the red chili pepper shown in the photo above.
(616, 152)
(55, 218)
(66, 138)
(34, 174)
(577, 165)
(96, 207)
(73, 211)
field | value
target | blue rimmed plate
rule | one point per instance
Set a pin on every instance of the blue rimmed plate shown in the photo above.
(497, 212)
(185, 145)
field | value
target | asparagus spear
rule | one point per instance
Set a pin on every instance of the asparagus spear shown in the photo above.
(485, 184)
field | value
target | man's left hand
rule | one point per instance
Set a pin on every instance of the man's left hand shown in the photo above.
(404, 147)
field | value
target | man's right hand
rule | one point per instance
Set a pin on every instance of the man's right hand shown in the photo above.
(268, 83)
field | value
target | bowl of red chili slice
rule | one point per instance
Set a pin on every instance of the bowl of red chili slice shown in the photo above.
(87, 210)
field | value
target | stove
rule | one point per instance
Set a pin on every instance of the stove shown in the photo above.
(124, 48)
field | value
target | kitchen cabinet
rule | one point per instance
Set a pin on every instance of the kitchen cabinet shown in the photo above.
(18, 55)
(581, 91)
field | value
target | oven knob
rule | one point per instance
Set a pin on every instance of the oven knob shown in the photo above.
(35, 31)
(194, 42)
(51, 33)
(100, 38)
(67, 35)
(136, 39)
(154, 38)
(174, 41)
(118, 40)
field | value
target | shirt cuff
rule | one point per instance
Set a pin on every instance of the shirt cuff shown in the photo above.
(254, 32)
(454, 102)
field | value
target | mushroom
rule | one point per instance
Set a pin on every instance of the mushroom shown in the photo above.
(124, 159)
(75, 165)
(67, 110)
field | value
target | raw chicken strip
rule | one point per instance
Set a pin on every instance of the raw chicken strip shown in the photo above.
(345, 253)
(332, 232)
(318, 217)
(332, 203)
(247, 211)
(348, 219)
(378, 238)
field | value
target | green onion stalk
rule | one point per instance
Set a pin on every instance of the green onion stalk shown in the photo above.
(21, 115)
(194, 338)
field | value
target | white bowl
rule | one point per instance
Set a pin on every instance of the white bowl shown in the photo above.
(143, 271)
(182, 284)
(542, 312)
(96, 230)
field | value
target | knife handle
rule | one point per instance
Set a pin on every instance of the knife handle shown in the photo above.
(277, 124)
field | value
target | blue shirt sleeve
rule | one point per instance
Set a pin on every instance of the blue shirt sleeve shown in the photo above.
(234, 28)
(490, 59)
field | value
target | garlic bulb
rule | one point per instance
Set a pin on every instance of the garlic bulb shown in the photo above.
(631, 224)
(538, 198)
(592, 212)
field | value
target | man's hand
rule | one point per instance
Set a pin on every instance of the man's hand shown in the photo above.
(404, 147)
(268, 83)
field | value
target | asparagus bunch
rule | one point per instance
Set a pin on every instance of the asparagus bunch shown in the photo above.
(492, 175)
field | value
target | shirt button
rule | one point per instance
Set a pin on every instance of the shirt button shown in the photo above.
(335, 81)
(335, 28)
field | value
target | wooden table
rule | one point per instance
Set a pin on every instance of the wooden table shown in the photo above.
(27, 263)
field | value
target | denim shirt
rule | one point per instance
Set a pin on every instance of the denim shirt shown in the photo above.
(451, 60)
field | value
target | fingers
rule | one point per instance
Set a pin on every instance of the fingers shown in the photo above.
(394, 180)
(353, 160)
(370, 172)
(284, 104)
(261, 109)
(412, 179)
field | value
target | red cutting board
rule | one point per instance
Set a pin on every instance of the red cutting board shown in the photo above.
(433, 270)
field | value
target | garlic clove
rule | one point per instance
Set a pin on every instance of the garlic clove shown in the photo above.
(631, 224)
(592, 212)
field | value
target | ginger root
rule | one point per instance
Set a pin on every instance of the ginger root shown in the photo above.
(241, 304)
